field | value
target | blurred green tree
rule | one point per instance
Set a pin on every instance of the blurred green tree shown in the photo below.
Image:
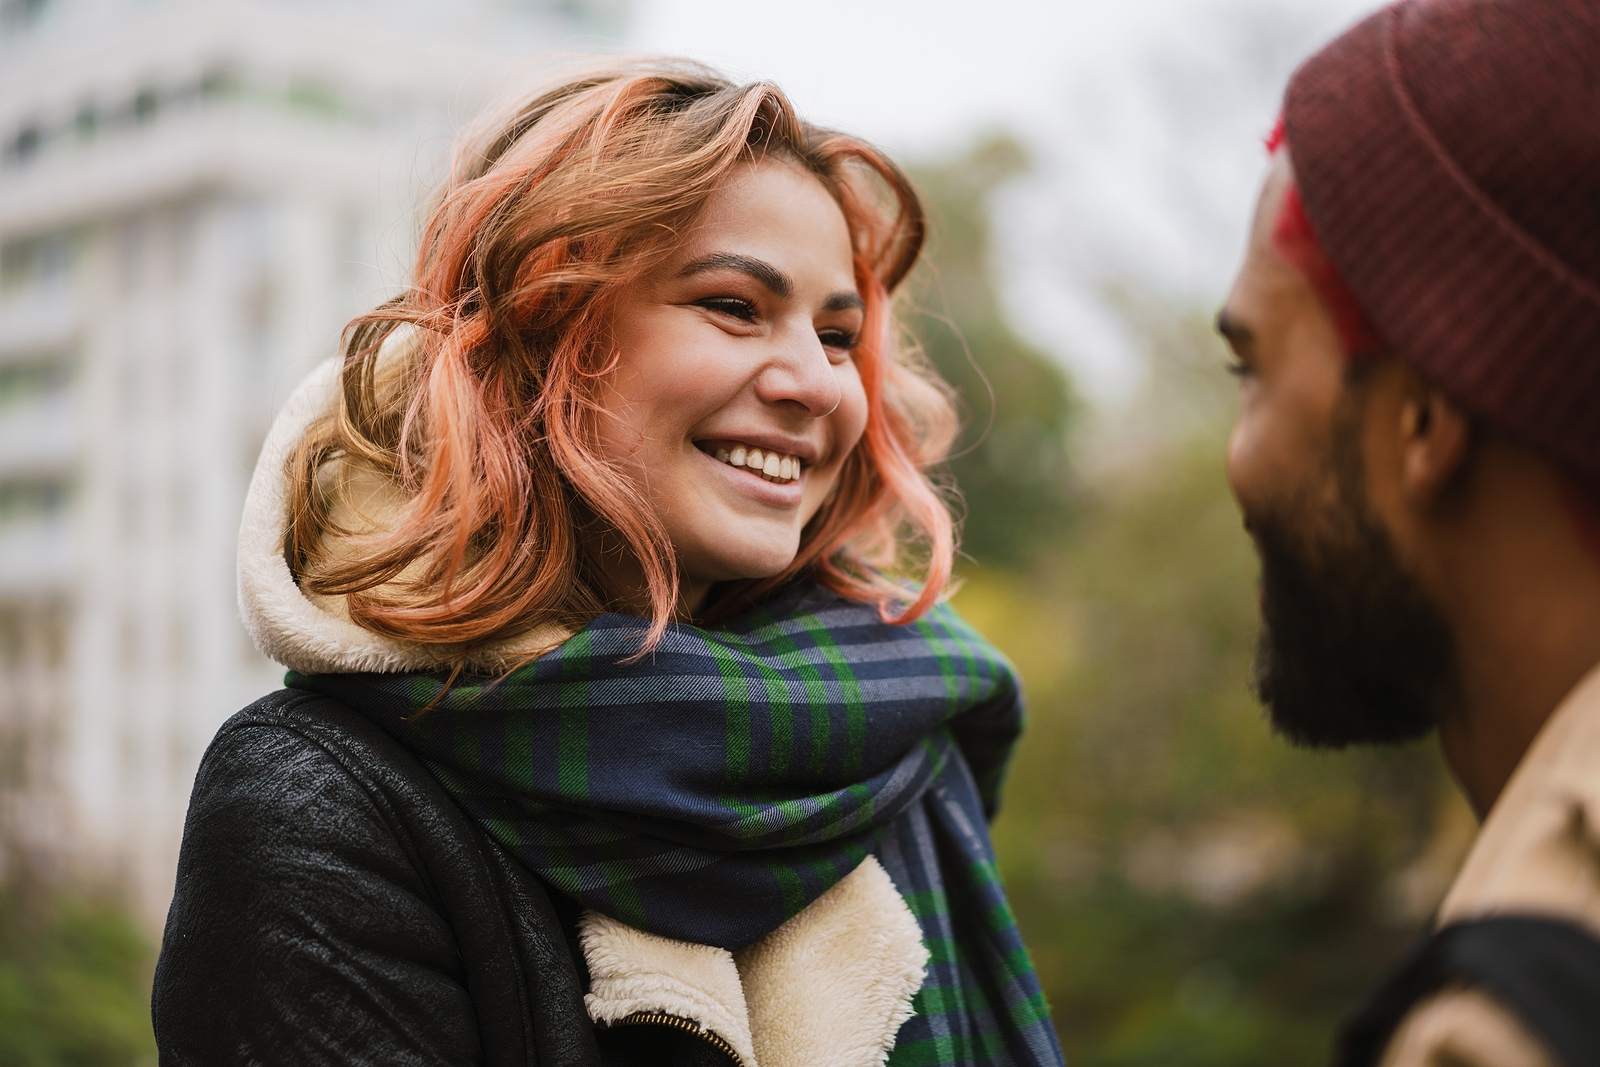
(74, 981)
(1011, 460)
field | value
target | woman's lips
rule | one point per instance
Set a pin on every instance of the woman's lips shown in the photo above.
(772, 491)
(773, 466)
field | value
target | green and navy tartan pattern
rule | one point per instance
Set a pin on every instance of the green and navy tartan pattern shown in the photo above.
(711, 790)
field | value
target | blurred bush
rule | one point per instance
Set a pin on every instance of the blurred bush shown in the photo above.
(1011, 461)
(74, 981)
(1194, 891)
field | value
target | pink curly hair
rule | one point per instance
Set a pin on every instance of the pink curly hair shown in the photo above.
(546, 216)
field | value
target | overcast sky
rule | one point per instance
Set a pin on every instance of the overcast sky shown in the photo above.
(1144, 118)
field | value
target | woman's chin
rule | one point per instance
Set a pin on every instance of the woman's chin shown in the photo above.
(752, 564)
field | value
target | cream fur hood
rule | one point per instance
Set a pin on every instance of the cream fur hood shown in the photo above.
(829, 988)
(312, 634)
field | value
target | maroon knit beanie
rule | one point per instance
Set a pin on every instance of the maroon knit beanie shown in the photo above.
(1448, 156)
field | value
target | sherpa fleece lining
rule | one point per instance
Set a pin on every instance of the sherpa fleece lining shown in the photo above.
(314, 635)
(829, 988)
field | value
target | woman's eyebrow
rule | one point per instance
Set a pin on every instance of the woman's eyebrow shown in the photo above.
(779, 283)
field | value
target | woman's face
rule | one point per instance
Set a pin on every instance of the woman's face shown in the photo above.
(735, 400)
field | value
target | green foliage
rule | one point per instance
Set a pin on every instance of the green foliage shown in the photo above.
(1011, 463)
(74, 984)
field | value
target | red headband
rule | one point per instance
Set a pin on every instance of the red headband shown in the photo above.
(1295, 240)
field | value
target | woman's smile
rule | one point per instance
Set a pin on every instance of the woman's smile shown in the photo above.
(784, 495)
(771, 464)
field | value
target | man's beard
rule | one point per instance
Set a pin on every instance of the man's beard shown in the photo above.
(1352, 649)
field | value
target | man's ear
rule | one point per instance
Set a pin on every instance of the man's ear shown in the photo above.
(1435, 441)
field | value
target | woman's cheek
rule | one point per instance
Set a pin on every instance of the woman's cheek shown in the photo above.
(851, 414)
(847, 425)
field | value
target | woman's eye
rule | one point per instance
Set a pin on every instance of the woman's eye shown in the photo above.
(732, 306)
(840, 339)
(1240, 369)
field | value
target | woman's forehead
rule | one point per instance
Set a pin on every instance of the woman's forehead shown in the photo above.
(772, 208)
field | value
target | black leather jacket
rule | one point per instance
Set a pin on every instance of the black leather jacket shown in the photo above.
(335, 906)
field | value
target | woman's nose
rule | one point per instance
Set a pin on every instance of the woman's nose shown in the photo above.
(801, 375)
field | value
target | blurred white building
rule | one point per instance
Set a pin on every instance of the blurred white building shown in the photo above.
(194, 196)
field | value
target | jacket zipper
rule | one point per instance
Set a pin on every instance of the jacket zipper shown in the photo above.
(688, 1026)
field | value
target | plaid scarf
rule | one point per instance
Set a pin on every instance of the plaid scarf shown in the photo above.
(711, 790)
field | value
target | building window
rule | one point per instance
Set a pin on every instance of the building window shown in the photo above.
(314, 96)
(24, 380)
(218, 82)
(36, 260)
(130, 649)
(145, 102)
(17, 16)
(25, 145)
(25, 498)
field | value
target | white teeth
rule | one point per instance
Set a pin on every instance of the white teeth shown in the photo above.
(770, 465)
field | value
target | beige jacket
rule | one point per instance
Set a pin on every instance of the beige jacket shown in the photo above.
(1537, 853)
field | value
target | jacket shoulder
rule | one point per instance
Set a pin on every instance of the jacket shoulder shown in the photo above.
(303, 926)
(334, 905)
(1463, 1027)
(290, 752)
(1489, 991)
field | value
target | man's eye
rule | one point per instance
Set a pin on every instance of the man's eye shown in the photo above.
(732, 306)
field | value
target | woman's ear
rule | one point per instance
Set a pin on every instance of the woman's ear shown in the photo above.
(1435, 441)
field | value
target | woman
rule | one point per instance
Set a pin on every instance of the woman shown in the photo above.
(606, 737)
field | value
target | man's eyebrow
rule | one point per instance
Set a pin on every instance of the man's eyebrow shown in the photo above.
(1233, 331)
(779, 283)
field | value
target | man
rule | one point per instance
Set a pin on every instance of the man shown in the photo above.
(1417, 456)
